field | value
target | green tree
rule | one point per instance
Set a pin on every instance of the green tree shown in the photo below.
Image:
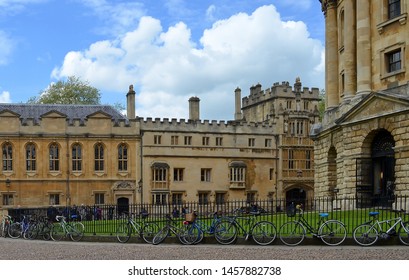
(71, 91)
(321, 103)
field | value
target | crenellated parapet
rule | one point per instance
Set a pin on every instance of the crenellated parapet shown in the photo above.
(278, 90)
(203, 126)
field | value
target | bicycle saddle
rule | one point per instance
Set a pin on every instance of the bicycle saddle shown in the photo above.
(324, 215)
(373, 213)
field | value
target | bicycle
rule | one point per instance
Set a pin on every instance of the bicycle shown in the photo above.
(204, 228)
(187, 233)
(262, 232)
(39, 227)
(369, 232)
(17, 229)
(61, 229)
(145, 230)
(331, 232)
(4, 226)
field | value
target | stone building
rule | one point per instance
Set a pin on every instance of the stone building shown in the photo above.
(74, 154)
(361, 147)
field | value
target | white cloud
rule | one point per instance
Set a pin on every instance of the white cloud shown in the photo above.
(5, 97)
(167, 67)
(13, 7)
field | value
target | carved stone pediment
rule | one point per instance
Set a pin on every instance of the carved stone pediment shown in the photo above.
(124, 185)
(375, 105)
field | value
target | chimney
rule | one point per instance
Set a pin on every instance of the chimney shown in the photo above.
(130, 103)
(237, 112)
(194, 114)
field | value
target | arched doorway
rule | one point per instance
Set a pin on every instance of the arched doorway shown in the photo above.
(123, 205)
(295, 196)
(383, 162)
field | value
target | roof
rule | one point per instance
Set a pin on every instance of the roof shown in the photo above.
(72, 112)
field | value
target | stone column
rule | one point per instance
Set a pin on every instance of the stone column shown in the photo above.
(331, 53)
(364, 78)
(350, 49)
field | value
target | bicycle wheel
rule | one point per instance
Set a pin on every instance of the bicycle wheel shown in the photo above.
(123, 232)
(160, 236)
(31, 232)
(332, 232)
(225, 232)
(46, 231)
(149, 231)
(188, 234)
(57, 232)
(76, 231)
(292, 233)
(264, 233)
(15, 230)
(404, 233)
(365, 235)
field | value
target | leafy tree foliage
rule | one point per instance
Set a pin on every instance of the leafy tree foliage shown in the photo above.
(71, 91)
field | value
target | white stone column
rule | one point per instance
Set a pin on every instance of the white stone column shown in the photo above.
(364, 78)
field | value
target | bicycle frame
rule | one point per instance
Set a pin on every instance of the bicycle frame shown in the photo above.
(378, 224)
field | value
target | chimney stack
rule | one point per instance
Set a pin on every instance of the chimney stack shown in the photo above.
(130, 103)
(194, 113)
(237, 113)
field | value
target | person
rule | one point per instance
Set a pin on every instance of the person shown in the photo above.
(175, 212)
(52, 213)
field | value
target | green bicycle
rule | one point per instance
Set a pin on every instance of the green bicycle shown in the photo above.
(75, 230)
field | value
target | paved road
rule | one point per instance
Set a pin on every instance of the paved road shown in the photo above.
(19, 249)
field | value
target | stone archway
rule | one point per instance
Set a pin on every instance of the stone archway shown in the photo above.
(383, 162)
(296, 195)
(123, 205)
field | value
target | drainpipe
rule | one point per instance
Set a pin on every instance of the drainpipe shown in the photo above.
(67, 187)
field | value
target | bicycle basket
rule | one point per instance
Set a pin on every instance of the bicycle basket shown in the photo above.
(190, 217)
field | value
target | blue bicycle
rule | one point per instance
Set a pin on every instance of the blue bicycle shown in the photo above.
(205, 228)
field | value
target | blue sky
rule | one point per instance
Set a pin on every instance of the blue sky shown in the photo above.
(169, 50)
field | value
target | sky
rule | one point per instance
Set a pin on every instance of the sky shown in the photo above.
(168, 50)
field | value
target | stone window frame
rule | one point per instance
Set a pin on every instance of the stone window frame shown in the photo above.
(31, 157)
(76, 160)
(384, 59)
(123, 157)
(7, 156)
(384, 16)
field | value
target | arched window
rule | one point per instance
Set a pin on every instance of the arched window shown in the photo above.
(123, 157)
(7, 157)
(99, 157)
(31, 157)
(54, 153)
(76, 154)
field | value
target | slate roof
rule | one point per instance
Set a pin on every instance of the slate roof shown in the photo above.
(72, 112)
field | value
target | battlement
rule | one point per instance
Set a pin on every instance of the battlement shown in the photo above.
(279, 90)
(205, 126)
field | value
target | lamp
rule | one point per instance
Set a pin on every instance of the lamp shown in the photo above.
(8, 183)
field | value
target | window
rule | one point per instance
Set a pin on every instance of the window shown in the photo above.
(99, 157)
(267, 143)
(157, 139)
(205, 141)
(237, 174)
(177, 199)
(300, 127)
(252, 142)
(76, 154)
(174, 140)
(159, 198)
(394, 61)
(54, 199)
(393, 8)
(31, 157)
(205, 175)
(219, 141)
(99, 198)
(250, 197)
(8, 199)
(308, 159)
(220, 198)
(290, 159)
(123, 157)
(188, 140)
(54, 153)
(178, 174)
(7, 157)
(203, 198)
(306, 105)
(160, 175)
(289, 105)
(271, 174)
